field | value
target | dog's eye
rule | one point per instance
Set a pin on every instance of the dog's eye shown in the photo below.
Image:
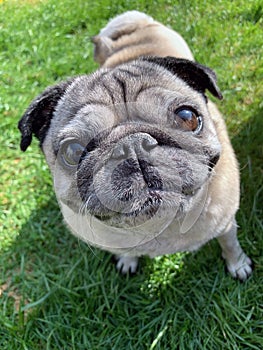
(188, 120)
(71, 153)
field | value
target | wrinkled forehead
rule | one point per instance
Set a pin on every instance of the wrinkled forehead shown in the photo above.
(125, 90)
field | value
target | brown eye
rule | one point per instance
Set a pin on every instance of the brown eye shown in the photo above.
(71, 153)
(188, 120)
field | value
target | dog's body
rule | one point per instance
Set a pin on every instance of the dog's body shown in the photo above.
(134, 34)
(142, 162)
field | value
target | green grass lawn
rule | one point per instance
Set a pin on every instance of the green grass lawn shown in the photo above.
(56, 292)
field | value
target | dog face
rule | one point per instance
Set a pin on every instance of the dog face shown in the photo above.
(128, 144)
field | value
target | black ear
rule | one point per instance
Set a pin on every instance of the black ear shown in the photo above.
(37, 118)
(196, 75)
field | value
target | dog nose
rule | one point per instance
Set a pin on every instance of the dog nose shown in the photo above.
(138, 143)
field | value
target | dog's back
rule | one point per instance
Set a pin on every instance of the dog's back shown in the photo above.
(134, 34)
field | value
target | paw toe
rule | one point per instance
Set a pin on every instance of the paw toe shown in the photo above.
(242, 269)
(126, 264)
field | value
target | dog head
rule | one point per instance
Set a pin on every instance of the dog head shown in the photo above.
(128, 144)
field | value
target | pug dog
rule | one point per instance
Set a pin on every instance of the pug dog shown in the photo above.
(141, 159)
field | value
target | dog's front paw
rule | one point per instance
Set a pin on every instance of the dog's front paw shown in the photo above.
(240, 268)
(126, 264)
(238, 263)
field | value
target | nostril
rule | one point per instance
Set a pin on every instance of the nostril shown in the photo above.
(120, 152)
(149, 143)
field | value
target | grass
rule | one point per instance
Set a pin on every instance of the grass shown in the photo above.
(55, 292)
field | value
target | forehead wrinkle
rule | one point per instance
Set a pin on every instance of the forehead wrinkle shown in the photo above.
(167, 95)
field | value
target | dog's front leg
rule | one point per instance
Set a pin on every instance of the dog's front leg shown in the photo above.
(238, 263)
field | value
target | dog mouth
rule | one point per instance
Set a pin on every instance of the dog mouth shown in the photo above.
(155, 204)
(146, 208)
(149, 207)
(136, 193)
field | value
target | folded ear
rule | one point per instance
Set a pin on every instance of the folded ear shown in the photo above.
(196, 75)
(37, 118)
